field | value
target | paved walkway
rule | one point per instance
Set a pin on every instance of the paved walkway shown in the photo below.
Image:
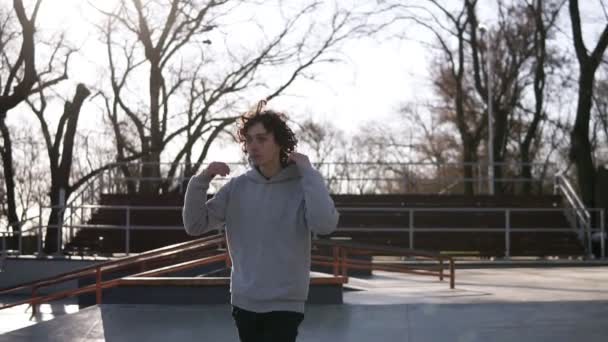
(522, 304)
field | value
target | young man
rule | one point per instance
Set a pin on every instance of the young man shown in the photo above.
(269, 213)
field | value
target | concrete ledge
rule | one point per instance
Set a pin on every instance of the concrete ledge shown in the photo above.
(505, 263)
(190, 291)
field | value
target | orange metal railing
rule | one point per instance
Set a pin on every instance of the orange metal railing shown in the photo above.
(341, 263)
(143, 261)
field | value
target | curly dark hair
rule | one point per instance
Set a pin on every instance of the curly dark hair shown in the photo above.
(274, 122)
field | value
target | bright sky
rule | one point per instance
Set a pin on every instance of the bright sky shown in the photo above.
(375, 79)
(371, 82)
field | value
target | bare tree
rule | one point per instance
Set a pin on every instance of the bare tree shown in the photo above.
(460, 74)
(600, 119)
(379, 157)
(30, 175)
(322, 139)
(544, 14)
(60, 151)
(160, 35)
(323, 142)
(511, 46)
(23, 80)
(435, 145)
(517, 44)
(450, 76)
(62, 154)
(589, 60)
(17, 78)
(434, 142)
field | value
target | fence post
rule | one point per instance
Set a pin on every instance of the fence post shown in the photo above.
(507, 233)
(71, 223)
(603, 234)
(344, 264)
(39, 231)
(589, 238)
(555, 184)
(439, 173)
(60, 215)
(111, 185)
(128, 232)
(411, 228)
(479, 179)
(101, 183)
(336, 253)
(452, 280)
(58, 252)
(20, 242)
(182, 174)
(91, 191)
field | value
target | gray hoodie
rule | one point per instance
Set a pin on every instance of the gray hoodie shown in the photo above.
(268, 228)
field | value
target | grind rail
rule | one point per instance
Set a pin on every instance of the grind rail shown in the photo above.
(148, 275)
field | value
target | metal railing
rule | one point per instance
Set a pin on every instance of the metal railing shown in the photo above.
(341, 177)
(357, 177)
(143, 261)
(579, 216)
(90, 193)
(409, 214)
(427, 177)
(145, 268)
(26, 227)
(507, 229)
(340, 262)
(110, 181)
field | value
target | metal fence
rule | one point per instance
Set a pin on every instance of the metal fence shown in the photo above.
(507, 228)
(341, 178)
(359, 177)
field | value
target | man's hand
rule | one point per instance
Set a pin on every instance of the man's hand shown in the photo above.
(300, 159)
(216, 168)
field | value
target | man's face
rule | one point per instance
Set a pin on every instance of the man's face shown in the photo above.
(261, 145)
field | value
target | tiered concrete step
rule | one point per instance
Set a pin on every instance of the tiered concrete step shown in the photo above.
(439, 229)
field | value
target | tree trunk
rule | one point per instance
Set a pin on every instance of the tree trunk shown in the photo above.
(540, 37)
(150, 171)
(55, 220)
(526, 170)
(131, 185)
(10, 100)
(500, 133)
(151, 168)
(60, 171)
(580, 149)
(9, 175)
(469, 157)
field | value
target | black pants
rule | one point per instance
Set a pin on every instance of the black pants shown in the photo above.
(275, 326)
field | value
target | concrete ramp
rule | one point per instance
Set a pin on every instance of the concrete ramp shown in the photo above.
(492, 304)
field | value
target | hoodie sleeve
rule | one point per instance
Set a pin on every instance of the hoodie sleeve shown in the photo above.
(199, 216)
(320, 212)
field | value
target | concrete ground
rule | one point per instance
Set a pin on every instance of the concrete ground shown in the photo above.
(506, 304)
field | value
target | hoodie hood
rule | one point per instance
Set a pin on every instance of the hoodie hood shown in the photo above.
(287, 173)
